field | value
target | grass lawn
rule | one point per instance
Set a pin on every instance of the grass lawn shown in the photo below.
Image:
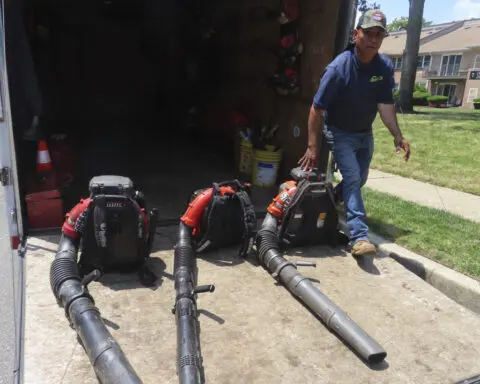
(445, 148)
(446, 238)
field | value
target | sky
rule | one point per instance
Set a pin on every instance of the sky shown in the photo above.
(438, 11)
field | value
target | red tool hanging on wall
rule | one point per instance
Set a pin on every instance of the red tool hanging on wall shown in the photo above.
(290, 11)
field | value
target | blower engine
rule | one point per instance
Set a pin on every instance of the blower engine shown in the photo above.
(306, 212)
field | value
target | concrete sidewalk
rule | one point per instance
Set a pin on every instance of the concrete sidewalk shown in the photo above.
(456, 202)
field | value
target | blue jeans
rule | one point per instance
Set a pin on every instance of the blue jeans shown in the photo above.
(353, 153)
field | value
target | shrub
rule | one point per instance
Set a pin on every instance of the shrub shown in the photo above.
(477, 100)
(437, 100)
(420, 88)
(420, 98)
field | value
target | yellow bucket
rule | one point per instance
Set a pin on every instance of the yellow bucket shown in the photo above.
(246, 157)
(265, 167)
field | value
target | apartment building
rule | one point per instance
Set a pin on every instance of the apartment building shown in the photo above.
(448, 59)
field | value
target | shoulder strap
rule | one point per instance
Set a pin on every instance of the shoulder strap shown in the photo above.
(100, 221)
(232, 183)
(249, 220)
(301, 187)
(329, 188)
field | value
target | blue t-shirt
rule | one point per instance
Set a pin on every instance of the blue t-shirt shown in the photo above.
(350, 91)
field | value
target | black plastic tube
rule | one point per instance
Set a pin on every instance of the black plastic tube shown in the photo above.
(189, 358)
(330, 313)
(107, 358)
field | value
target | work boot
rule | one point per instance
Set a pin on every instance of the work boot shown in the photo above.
(363, 248)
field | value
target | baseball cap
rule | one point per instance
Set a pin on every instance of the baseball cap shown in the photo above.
(372, 18)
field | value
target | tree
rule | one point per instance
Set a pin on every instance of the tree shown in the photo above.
(402, 23)
(363, 6)
(410, 55)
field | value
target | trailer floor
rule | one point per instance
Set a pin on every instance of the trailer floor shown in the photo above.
(253, 330)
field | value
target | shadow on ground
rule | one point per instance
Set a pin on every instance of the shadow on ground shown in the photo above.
(388, 231)
(366, 263)
(128, 281)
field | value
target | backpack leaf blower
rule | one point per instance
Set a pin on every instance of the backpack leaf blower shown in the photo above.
(304, 213)
(113, 232)
(216, 217)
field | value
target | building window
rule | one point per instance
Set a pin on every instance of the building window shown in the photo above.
(424, 61)
(450, 65)
(476, 62)
(472, 94)
(397, 62)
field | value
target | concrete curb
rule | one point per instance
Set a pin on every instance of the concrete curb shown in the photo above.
(458, 287)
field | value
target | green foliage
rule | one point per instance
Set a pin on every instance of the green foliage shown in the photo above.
(420, 88)
(431, 232)
(363, 5)
(400, 23)
(396, 92)
(437, 99)
(477, 100)
(420, 98)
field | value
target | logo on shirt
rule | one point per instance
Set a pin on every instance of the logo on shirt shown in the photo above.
(374, 79)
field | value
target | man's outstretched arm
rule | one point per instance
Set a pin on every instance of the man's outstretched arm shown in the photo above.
(327, 92)
(389, 118)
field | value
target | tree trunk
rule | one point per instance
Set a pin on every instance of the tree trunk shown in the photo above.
(409, 68)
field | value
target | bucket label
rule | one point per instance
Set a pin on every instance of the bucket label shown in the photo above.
(267, 173)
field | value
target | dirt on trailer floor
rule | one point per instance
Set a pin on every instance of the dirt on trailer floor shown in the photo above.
(252, 329)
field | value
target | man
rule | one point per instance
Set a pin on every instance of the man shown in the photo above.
(358, 83)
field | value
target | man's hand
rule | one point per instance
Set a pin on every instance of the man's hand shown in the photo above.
(309, 160)
(389, 118)
(401, 143)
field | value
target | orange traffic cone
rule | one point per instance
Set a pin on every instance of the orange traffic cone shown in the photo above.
(44, 162)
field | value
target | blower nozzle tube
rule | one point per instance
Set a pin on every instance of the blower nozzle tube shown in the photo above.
(107, 358)
(330, 313)
(189, 359)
